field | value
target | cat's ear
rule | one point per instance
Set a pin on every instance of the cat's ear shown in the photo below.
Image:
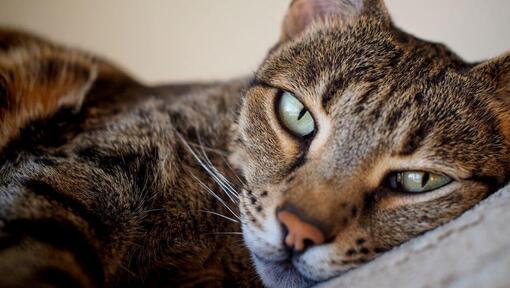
(302, 13)
(37, 80)
(497, 72)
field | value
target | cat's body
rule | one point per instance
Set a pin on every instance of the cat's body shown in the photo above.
(114, 184)
(107, 182)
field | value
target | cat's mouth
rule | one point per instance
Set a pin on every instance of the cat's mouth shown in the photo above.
(280, 273)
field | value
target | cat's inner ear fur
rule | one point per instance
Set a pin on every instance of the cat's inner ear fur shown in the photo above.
(302, 13)
(37, 80)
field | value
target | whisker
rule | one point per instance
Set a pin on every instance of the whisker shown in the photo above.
(227, 183)
(225, 233)
(215, 196)
(233, 171)
(220, 215)
(223, 182)
(155, 210)
(220, 182)
(213, 150)
(133, 274)
(206, 167)
(218, 173)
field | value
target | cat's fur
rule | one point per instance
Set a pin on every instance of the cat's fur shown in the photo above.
(103, 184)
(107, 182)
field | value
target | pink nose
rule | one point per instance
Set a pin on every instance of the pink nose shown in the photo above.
(299, 232)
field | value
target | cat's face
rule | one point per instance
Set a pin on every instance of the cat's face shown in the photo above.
(355, 137)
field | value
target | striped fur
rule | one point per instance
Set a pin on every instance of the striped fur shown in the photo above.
(99, 186)
(106, 182)
(383, 101)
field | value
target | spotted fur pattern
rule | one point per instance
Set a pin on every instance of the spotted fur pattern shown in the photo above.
(105, 182)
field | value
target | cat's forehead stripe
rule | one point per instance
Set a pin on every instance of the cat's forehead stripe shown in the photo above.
(332, 89)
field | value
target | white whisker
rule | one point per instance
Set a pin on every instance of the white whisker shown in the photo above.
(217, 173)
(215, 195)
(155, 210)
(217, 151)
(224, 184)
(220, 215)
(233, 171)
(226, 233)
(216, 176)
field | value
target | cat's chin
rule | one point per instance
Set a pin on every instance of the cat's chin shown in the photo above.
(280, 274)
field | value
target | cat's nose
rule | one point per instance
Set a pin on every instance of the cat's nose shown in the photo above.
(300, 234)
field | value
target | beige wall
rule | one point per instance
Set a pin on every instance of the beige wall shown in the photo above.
(171, 40)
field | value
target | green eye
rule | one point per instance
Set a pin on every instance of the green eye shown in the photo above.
(295, 116)
(417, 181)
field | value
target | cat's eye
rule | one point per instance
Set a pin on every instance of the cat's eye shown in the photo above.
(417, 181)
(294, 115)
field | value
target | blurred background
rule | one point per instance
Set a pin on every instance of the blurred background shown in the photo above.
(177, 40)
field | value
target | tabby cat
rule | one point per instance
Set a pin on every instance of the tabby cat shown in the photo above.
(351, 138)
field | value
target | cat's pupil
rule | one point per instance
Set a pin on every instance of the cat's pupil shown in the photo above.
(301, 114)
(425, 179)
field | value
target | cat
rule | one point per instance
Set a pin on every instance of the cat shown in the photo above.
(351, 138)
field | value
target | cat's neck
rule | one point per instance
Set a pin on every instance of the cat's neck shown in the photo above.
(203, 117)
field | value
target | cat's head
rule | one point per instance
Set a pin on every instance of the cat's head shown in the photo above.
(355, 137)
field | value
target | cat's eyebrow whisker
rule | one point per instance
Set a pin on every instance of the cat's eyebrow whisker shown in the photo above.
(207, 168)
(220, 215)
(215, 196)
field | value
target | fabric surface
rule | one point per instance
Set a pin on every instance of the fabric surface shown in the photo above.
(471, 251)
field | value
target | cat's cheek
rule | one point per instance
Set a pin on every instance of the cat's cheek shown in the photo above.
(322, 263)
(264, 237)
(412, 217)
(237, 160)
(261, 247)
